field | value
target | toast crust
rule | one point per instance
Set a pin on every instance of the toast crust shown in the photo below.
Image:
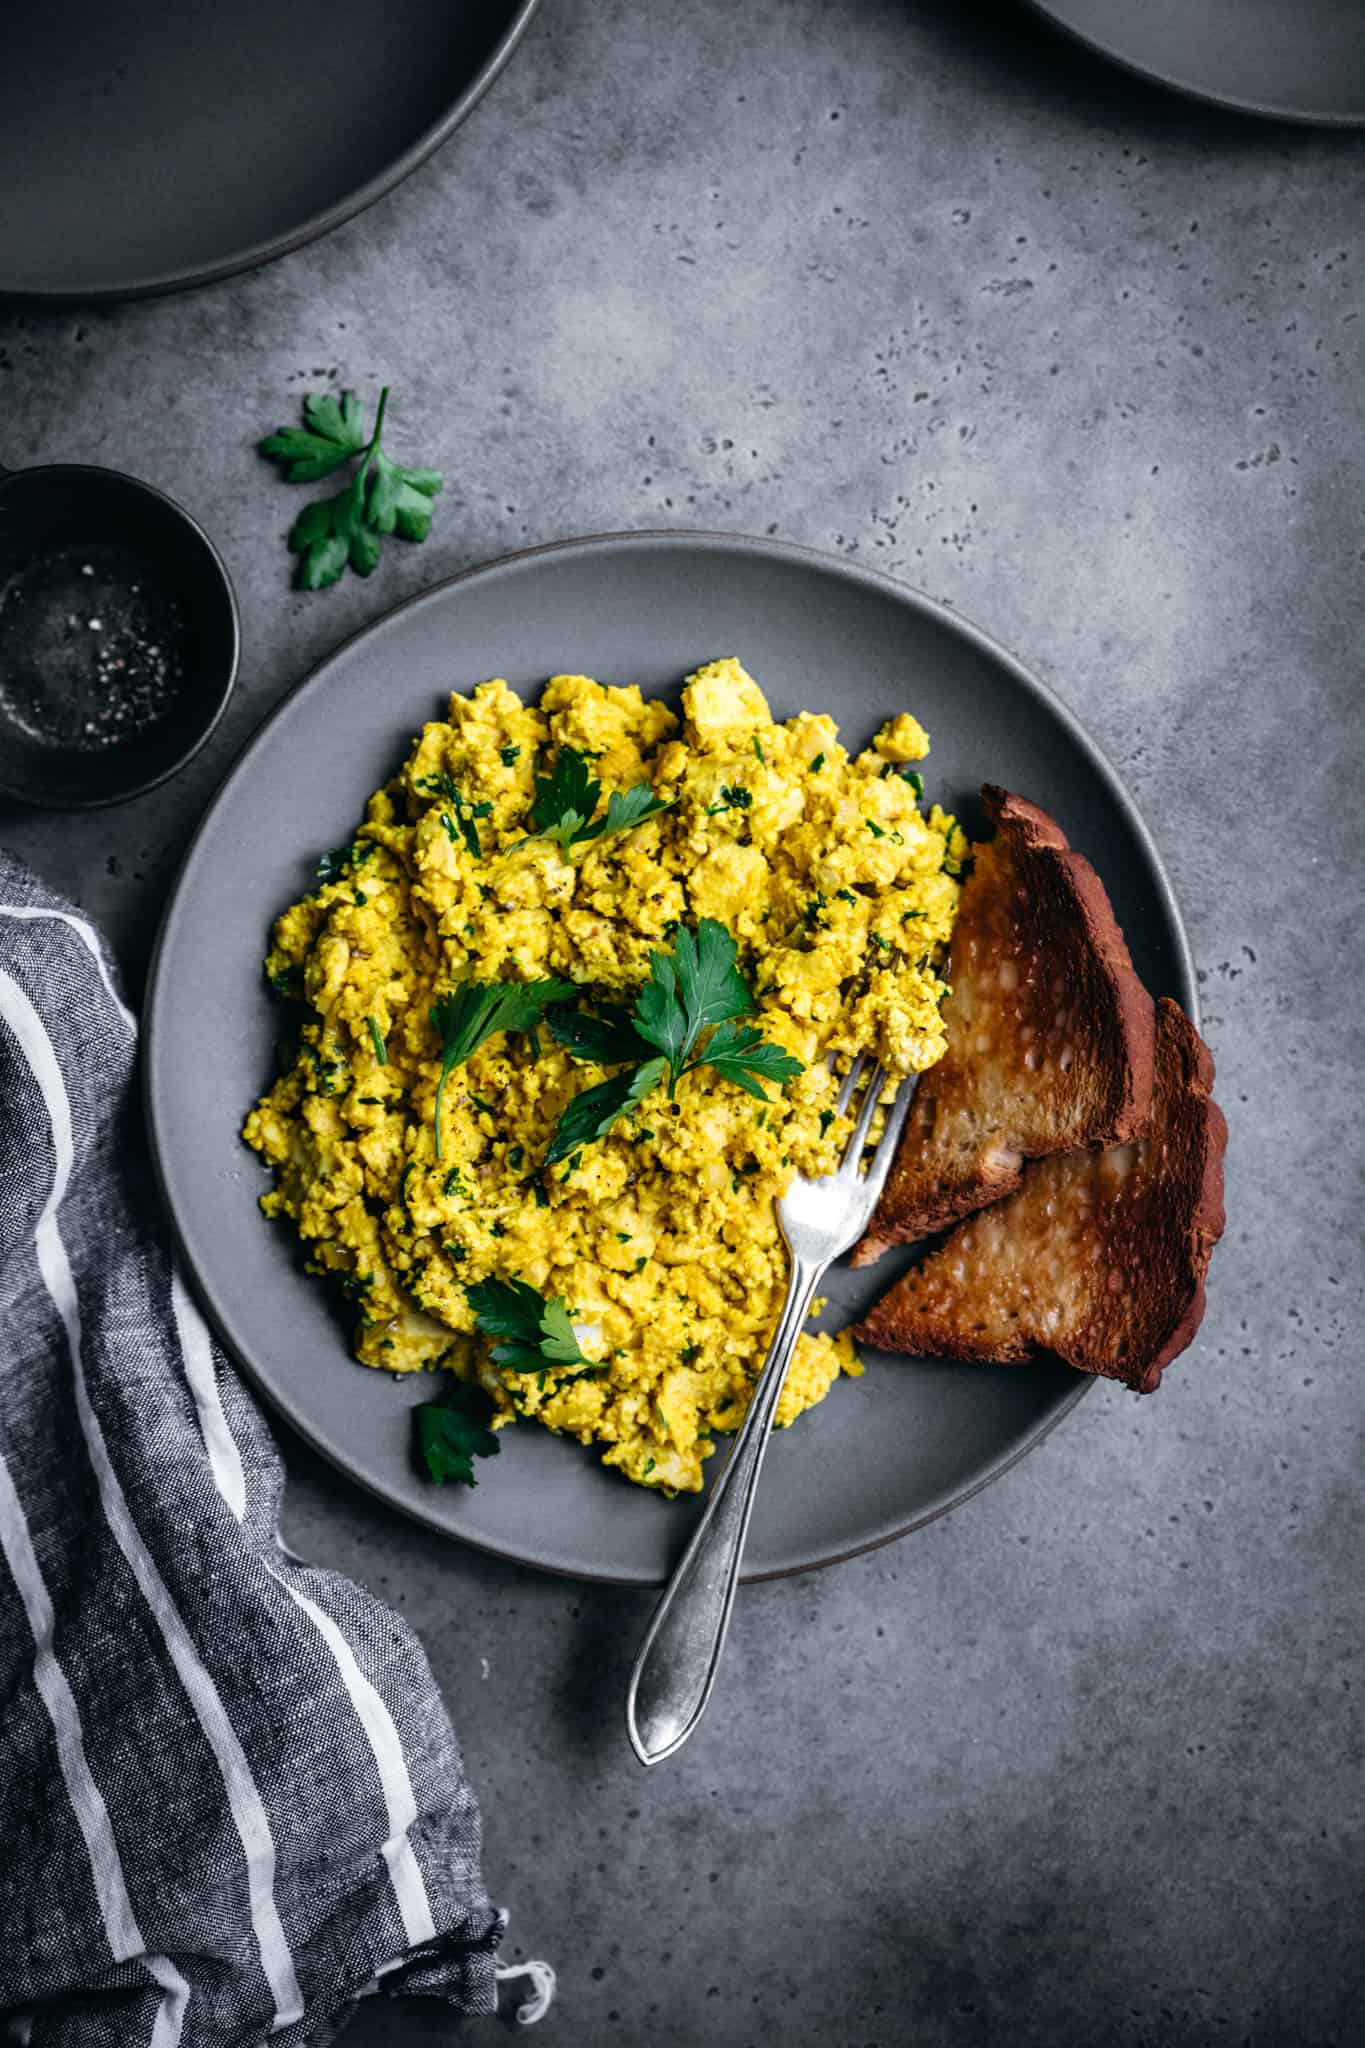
(1098, 1259)
(1050, 1033)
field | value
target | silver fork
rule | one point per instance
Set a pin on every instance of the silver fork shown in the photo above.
(680, 1655)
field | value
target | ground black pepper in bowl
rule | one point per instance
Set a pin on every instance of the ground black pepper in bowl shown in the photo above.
(93, 647)
(118, 636)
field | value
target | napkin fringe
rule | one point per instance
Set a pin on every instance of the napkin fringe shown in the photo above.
(544, 1983)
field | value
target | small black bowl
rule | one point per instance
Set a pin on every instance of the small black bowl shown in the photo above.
(119, 636)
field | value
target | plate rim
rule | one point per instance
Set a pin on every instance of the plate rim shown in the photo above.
(792, 553)
(191, 277)
(1261, 110)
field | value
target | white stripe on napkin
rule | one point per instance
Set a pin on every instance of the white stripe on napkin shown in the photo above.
(377, 1722)
(87, 1801)
(171, 2014)
(244, 1801)
(196, 1348)
(374, 1717)
(87, 934)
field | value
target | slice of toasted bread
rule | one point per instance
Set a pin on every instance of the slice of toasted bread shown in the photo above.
(1049, 1033)
(1100, 1256)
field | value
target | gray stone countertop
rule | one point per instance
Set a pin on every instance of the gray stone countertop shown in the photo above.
(926, 287)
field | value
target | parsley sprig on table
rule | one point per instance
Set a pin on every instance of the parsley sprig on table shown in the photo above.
(382, 498)
(697, 988)
(566, 799)
(452, 1431)
(477, 1010)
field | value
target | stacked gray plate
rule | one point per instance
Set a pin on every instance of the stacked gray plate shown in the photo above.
(150, 144)
(1294, 60)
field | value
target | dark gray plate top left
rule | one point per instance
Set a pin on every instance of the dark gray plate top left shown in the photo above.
(146, 146)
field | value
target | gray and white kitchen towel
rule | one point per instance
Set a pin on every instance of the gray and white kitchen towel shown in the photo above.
(231, 1801)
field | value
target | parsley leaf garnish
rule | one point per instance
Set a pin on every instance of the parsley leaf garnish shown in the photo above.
(453, 1430)
(382, 497)
(334, 433)
(381, 1051)
(332, 866)
(708, 990)
(592, 1114)
(627, 807)
(465, 814)
(566, 799)
(477, 1010)
(537, 1333)
(743, 1056)
(400, 499)
(734, 797)
(697, 988)
(331, 532)
(607, 1040)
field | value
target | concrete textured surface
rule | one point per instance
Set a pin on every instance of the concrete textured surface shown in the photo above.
(923, 285)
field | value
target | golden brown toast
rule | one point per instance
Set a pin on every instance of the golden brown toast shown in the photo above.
(1050, 1033)
(1098, 1258)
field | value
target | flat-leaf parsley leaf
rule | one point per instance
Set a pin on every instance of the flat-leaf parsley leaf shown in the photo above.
(476, 1010)
(565, 800)
(742, 1056)
(537, 1333)
(382, 497)
(334, 433)
(400, 499)
(607, 1040)
(331, 532)
(453, 1430)
(734, 797)
(332, 866)
(465, 814)
(592, 1114)
(626, 808)
(697, 988)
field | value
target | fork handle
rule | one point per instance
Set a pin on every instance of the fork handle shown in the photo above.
(680, 1655)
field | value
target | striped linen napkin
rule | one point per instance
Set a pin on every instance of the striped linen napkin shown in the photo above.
(231, 1802)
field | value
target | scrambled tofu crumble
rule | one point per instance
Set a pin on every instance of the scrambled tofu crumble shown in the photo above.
(661, 1236)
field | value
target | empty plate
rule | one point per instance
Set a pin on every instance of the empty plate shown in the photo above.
(146, 146)
(1295, 60)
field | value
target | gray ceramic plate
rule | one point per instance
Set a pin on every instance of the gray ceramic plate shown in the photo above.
(145, 146)
(883, 1453)
(1295, 60)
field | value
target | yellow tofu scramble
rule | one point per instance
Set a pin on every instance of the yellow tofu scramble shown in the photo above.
(660, 1237)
